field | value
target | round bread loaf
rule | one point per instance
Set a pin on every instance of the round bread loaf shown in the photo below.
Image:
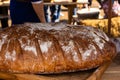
(53, 48)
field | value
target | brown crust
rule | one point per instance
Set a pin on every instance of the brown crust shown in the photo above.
(53, 48)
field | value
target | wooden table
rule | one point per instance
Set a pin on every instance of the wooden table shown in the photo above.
(70, 5)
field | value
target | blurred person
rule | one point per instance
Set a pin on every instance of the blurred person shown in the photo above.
(90, 3)
(46, 11)
(87, 5)
(75, 9)
(22, 11)
(115, 8)
(100, 2)
(52, 13)
(55, 13)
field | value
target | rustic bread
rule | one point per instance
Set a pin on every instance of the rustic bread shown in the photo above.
(53, 48)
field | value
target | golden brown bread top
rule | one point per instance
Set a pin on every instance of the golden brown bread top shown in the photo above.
(53, 48)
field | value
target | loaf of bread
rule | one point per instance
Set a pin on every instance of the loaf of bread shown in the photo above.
(53, 48)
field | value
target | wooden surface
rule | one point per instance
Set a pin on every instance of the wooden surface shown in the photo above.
(49, 3)
(109, 17)
(66, 76)
(112, 73)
